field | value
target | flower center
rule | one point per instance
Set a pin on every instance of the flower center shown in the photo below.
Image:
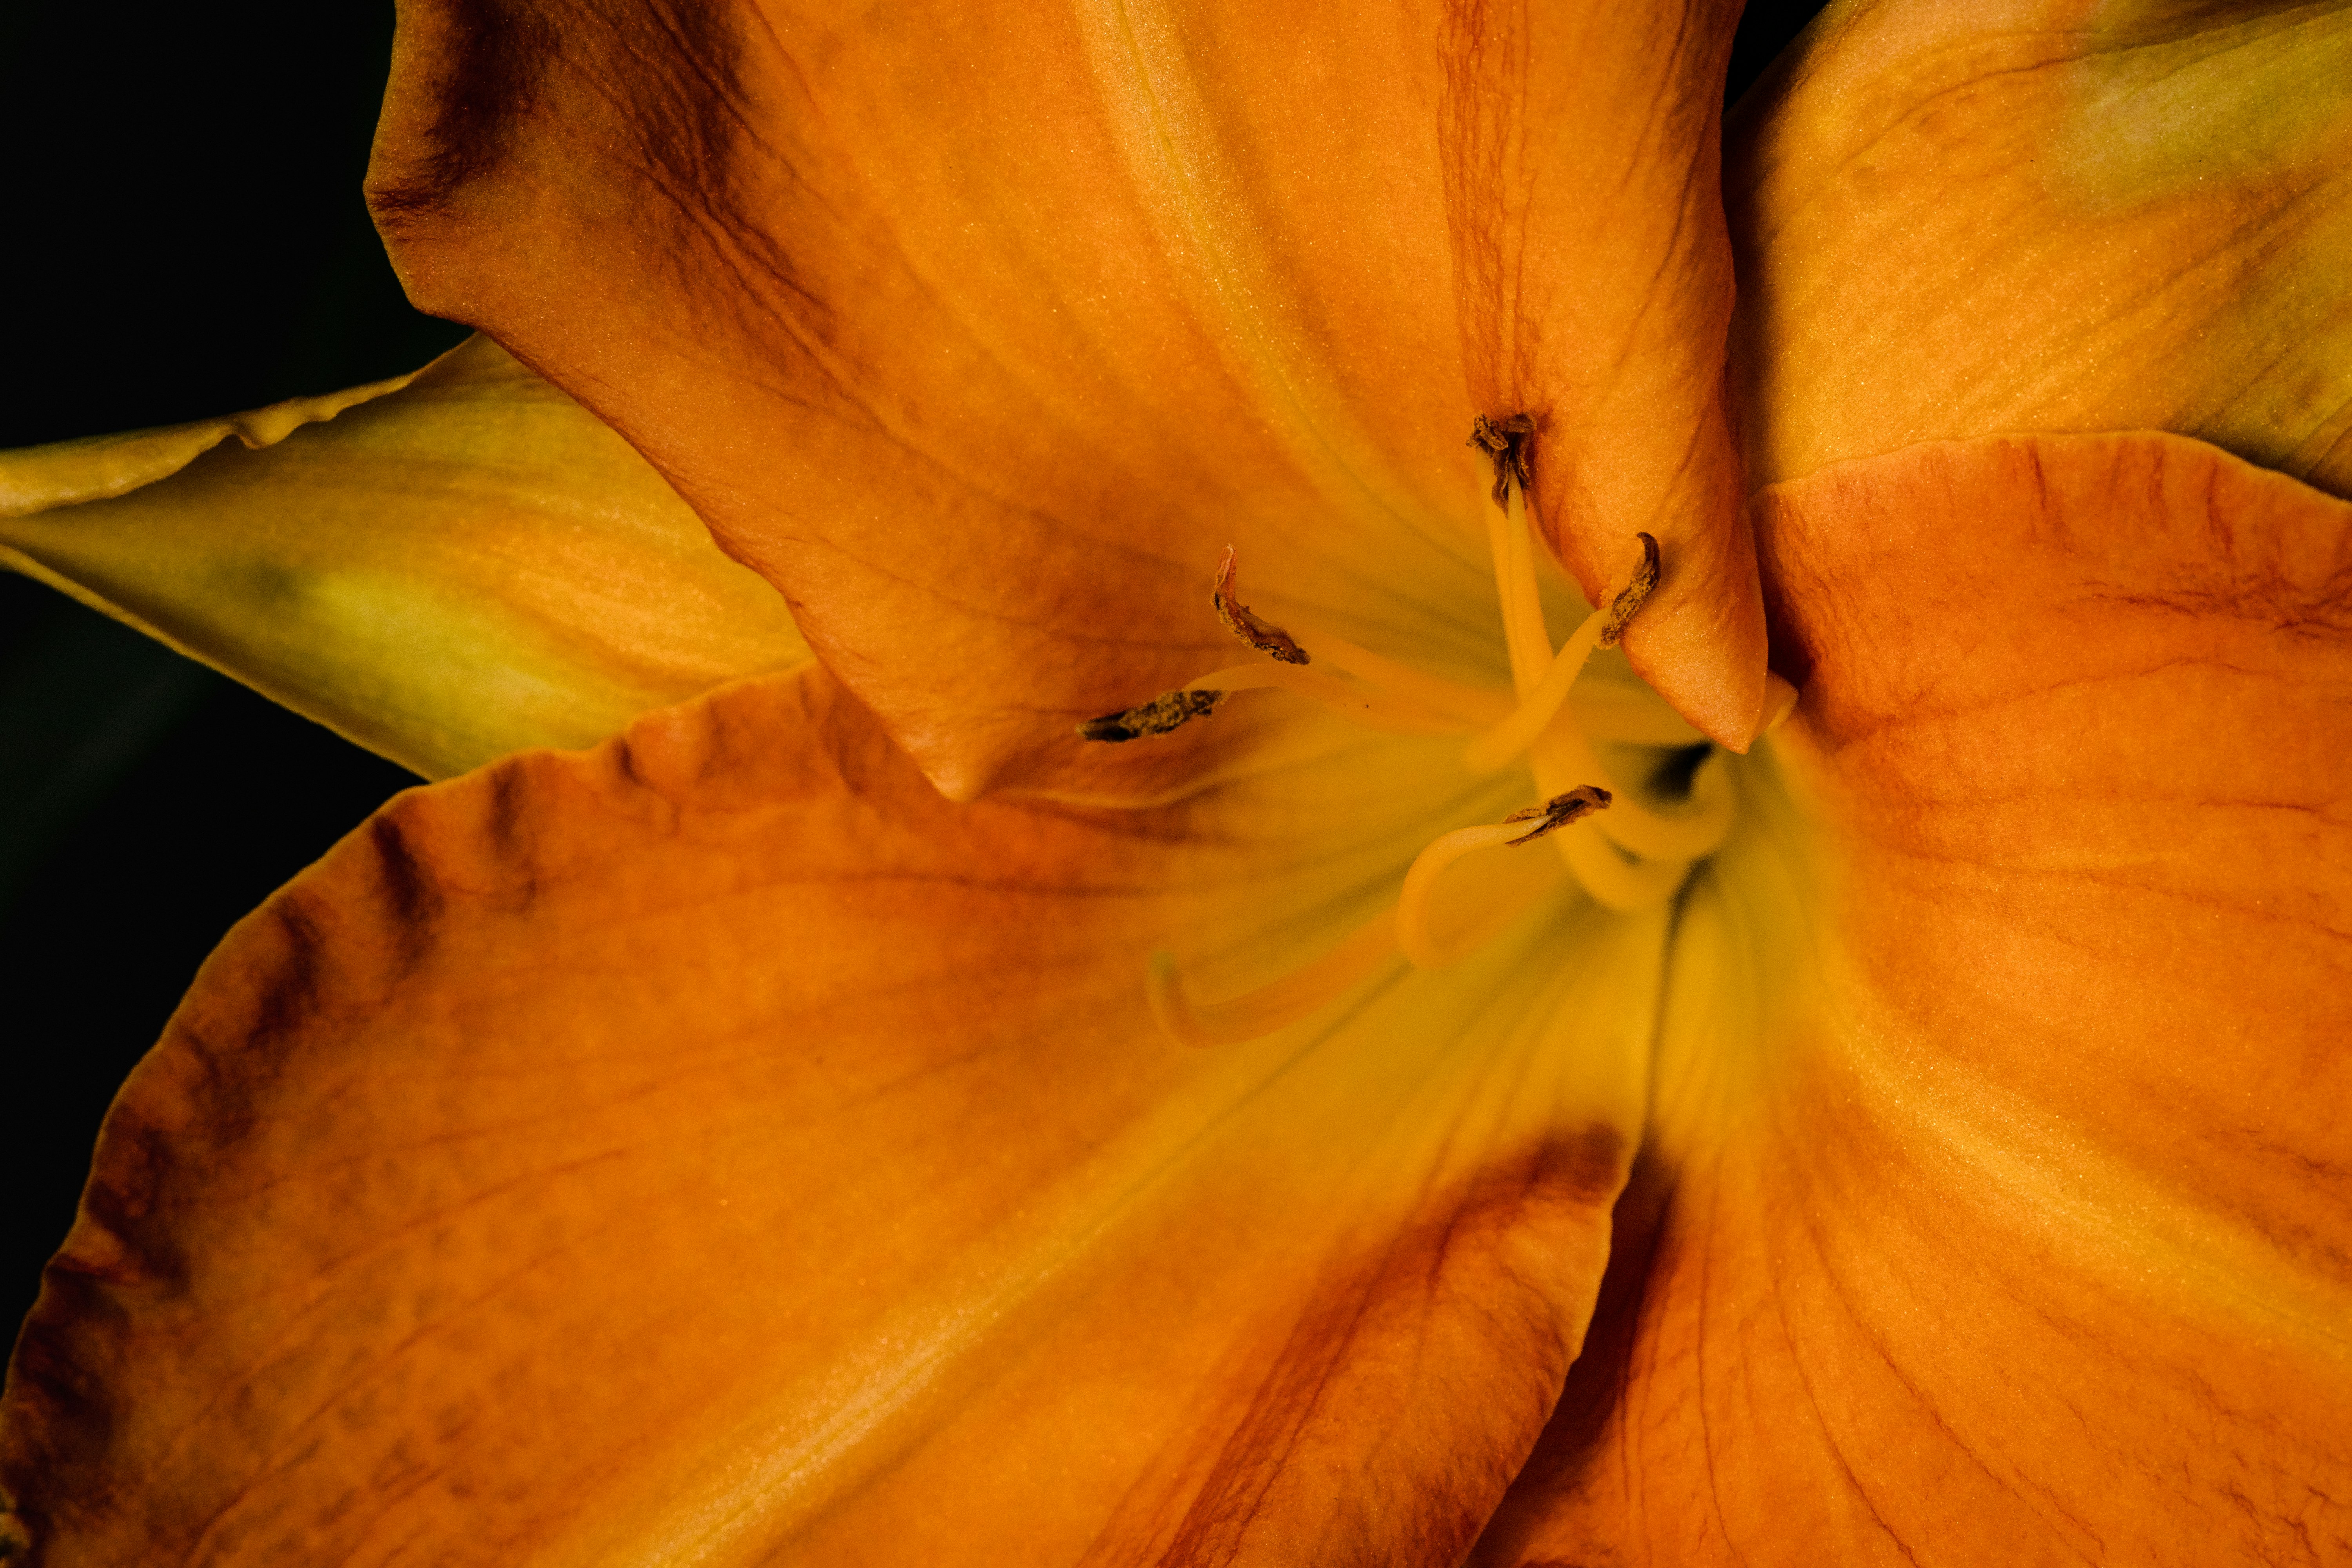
(1626, 851)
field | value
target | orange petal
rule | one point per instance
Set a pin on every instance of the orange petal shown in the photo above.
(1593, 278)
(982, 330)
(2021, 1234)
(717, 1148)
(445, 568)
(1958, 220)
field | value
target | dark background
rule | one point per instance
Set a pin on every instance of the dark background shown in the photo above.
(187, 239)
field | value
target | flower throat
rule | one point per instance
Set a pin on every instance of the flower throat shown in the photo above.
(1625, 854)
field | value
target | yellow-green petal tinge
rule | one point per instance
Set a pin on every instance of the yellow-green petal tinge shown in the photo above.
(445, 567)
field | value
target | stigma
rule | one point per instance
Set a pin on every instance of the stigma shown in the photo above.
(1621, 849)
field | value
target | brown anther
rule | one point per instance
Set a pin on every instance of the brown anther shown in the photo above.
(1621, 607)
(1509, 444)
(1259, 633)
(1559, 811)
(1169, 710)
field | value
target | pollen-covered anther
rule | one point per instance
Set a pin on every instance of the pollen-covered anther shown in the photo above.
(1623, 608)
(1508, 443)
(1549, 676)
(1169, 710)
(1416, 933)
(1254, 629)
(1559, 812)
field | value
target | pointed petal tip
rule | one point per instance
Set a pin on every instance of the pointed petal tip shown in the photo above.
(1723, 690)
(1780, 701)
(355, 557)
(960, 780)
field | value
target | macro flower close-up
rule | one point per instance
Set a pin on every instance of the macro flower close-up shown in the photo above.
(1217, 785)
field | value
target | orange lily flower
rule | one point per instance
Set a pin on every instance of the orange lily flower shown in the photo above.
(1438, 1100)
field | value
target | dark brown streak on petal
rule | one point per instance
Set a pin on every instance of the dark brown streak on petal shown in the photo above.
(665, 73)
(1581, 1424)
(484, 80)
(195, 1095)
(409, 887)
(123, 1241)
(1825, 1431)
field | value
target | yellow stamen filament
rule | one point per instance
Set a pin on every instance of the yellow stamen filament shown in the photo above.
(1261, 1012)
(1476, 706)
(1616, 882)
(1365, 704)
(1487, 925)
(1564, 753)
(1494, 751)
(1515, 581)
(1415, 925)
(1413, 909)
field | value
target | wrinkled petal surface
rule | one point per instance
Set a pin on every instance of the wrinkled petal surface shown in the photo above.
(981, 330)
(2022, 1233)
(1957, 218)
(717, 1148)
(445, 568)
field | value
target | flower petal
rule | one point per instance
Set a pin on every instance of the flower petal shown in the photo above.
(2023, 1236)
(983, 330)
(1958, 220)
(1593, 278)
(719, 1148)
(445, 568)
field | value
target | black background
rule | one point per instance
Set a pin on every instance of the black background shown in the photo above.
(187, 239)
